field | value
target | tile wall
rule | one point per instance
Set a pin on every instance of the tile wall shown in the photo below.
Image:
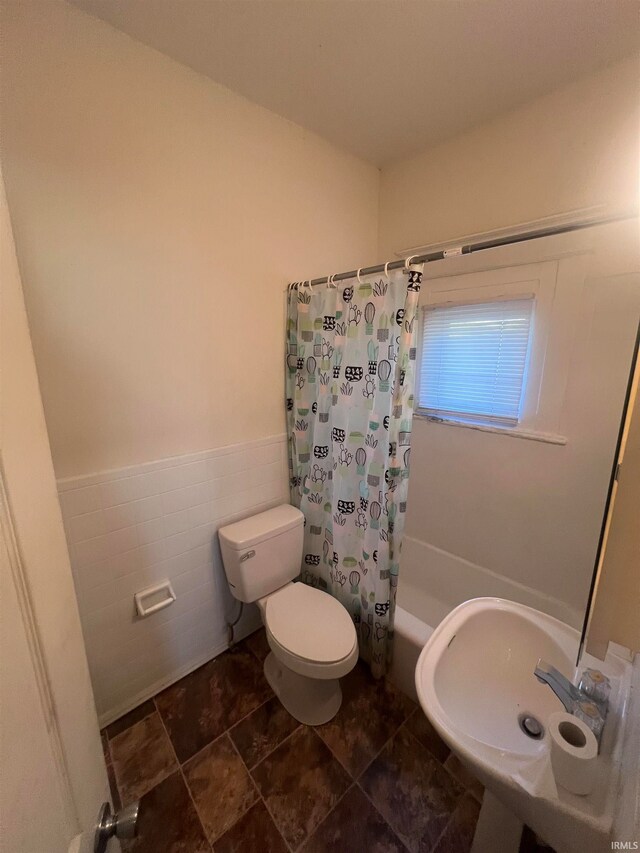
(132, 528)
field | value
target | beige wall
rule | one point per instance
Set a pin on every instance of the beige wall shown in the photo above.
(158, 217)
(526, 510)
(45, 681)
(574, 148)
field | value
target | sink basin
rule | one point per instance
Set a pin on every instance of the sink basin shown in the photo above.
(475, 682)
(484, 682)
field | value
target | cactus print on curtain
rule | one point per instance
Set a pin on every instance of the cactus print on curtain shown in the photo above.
(350, 366)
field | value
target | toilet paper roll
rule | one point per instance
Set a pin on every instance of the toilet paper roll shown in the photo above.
(574, 753)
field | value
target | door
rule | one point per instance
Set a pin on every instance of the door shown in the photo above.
(53, 778)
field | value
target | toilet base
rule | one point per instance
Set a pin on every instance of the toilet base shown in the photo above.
(312, 701)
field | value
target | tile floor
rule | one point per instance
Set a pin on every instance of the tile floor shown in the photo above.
(218, 764)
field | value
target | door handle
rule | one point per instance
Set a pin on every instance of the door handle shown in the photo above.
(122, 824)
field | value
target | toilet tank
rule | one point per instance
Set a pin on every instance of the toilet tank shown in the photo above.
(263, 552)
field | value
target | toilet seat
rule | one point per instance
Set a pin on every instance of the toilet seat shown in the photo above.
(310, 631)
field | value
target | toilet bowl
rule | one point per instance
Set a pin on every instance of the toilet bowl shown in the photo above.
(313, 644)
(311, 635)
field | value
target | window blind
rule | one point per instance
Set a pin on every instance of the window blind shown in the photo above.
(474, 360)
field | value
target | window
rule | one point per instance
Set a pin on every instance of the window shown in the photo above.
(497, 389)
(474, 360)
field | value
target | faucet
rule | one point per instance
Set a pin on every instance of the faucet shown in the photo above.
(566, 692)
(575, 701)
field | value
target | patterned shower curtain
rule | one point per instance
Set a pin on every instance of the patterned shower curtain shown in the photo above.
(350, 364)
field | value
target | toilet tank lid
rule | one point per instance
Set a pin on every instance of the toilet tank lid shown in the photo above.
(250, 531)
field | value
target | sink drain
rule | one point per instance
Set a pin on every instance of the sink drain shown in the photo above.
(531, 727)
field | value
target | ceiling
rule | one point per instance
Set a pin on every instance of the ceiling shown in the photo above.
(384, 78)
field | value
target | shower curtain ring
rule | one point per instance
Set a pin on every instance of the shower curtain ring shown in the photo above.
(358, 275)
(407, 262)
(386, 270)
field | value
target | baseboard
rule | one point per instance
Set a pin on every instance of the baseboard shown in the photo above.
(120, 710)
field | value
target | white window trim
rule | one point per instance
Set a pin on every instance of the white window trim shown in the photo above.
(513, 276)
(514, 432)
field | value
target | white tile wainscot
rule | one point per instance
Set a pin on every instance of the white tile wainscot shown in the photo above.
(131, 528)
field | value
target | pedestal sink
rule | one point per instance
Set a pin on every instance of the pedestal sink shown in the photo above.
(476, 685)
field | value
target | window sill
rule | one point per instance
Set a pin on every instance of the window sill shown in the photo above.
(512, 432)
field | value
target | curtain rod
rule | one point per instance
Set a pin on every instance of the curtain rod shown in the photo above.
(441, 254)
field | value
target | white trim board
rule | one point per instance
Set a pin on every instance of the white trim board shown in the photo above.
(545, 437)
(152, 690)
(79, 480)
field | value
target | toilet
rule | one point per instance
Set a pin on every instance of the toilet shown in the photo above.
(312, 638)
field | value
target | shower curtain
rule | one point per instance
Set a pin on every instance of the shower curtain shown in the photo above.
(350, 364)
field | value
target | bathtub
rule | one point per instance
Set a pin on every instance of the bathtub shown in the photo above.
(432, 582)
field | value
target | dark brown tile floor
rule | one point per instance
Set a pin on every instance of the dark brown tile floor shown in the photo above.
(218, 764)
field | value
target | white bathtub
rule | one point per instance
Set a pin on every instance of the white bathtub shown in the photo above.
(433, 582)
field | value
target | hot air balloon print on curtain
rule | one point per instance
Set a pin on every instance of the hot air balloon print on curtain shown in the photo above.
(375, 511)
(311, 368)
(369, 316)
(384, 372)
